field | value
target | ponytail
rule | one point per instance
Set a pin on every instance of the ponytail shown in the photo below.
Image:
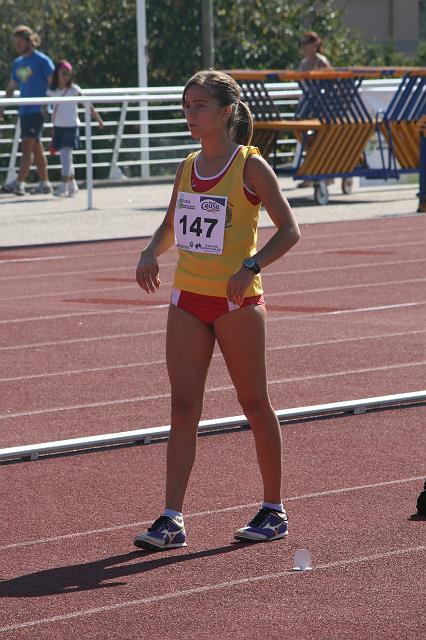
(241, 124)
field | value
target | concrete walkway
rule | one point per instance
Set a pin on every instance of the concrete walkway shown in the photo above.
(134, 210)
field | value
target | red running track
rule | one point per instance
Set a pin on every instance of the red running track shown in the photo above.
(69, 569)
(82, 352)
(82, 348)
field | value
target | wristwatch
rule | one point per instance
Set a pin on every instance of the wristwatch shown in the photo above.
(251, 264)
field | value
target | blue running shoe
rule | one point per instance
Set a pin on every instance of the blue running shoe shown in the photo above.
(164, 533)
(266, 525)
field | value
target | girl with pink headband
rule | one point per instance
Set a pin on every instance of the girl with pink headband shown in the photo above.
(66, 124)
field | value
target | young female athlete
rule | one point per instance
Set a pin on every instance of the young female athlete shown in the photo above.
(217, 294)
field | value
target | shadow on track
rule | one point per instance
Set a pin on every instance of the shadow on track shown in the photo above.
(95, 575)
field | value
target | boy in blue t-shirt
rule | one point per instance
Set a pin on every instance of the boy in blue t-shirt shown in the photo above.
(31, 73)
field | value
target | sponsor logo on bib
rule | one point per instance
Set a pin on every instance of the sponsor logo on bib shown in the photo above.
(211, 204)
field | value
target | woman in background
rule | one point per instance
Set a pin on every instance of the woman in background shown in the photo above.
(313, 53)
(313, 59)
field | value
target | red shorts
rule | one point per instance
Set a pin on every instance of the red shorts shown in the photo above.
(209, 308)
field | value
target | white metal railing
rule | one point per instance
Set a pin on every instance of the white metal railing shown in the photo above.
(151, 434)
(131, 109)
(144, 127)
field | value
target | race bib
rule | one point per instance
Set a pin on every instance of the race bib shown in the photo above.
(200, 222)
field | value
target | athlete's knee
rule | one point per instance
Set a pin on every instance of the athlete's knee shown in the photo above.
(255, 404)
(185, 411)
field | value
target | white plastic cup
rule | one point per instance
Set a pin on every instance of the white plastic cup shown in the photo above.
(302, 560)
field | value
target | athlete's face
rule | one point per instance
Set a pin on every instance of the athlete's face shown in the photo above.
(203, 113)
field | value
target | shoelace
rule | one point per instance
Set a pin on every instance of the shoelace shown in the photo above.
(259, 518)
(161, 523)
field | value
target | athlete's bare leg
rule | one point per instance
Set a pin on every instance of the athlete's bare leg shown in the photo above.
(241, 337)
(189, 349)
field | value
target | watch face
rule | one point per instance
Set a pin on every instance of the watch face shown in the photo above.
(249, 263)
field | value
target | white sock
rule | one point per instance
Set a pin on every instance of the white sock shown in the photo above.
(272, 505)
(173, 514)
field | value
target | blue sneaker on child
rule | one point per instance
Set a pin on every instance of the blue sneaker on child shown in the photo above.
(267, 525)
(164, 533)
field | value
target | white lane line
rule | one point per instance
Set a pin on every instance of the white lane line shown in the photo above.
(218, 586)
(70, 372)
(116, 336)
(269, 272)
(350, 372)
(130, 365)
(78, 314)
(308, 316)
(144, 310)
(363, 285)
(78, 292)
(73, 256)
(359, 249)
(294, 254)
(271, 318)
(363, 265)
(89, 272)
(37, 259)
(109, 253)
(359, 232)
(137, 399)
(120, 288)
(210, 512)
(135, 251)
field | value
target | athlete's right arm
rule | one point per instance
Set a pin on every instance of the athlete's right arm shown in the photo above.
(147, 270)
(10, 89)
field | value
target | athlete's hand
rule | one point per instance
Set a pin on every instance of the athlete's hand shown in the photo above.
(147, 273)
(238, 284)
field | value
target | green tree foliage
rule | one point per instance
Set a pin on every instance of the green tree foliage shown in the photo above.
(174, 40)
(266, 33)
(420, 59)
(99, 37)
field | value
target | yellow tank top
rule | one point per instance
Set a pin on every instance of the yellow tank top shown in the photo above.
(208, 274)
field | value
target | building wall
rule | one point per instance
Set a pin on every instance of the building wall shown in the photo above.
(399, 20)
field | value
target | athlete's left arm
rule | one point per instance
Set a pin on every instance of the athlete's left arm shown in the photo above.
(261, 179)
